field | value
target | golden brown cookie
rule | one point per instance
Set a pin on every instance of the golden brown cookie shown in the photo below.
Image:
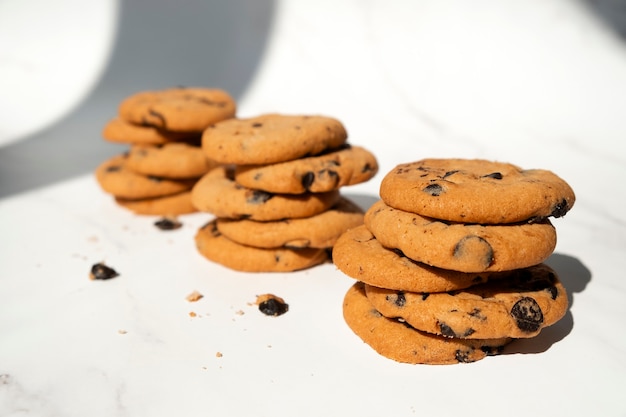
(318, 231)
(516, 306)
(271, 138)
(359, 255)
(115, 178)
(169, 160)
(169, 205)
(118, 130)
(476, 191)
(178, 109)
(458, 246)
(326, 172)
(217, 248)
(402, 343)
(218, 194)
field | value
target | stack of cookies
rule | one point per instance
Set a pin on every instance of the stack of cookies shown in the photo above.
(163, 130)
(449, 263)
(276, 192)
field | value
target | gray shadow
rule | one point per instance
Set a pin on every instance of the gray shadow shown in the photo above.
(610, 12)
(575, 277)
(160, 44)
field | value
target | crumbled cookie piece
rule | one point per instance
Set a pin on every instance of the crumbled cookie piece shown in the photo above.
(271, 305)
(102, 272)
(194, 296)
(168, 223)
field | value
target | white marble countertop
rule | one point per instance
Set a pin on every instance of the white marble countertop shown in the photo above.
(538, 84)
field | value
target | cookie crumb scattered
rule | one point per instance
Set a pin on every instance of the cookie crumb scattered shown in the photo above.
(121, 331)
(102, 272)
(192, 314)
(271, 305)
(168, 223)
(218, 354)
(194, 296)
(240, 312)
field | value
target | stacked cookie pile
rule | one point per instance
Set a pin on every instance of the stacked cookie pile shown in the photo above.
(276, 193)
(163, 130)
(449, 262)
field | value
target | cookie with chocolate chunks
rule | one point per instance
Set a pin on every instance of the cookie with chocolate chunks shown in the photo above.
(169, 160)
(358, 254)
(459, 246)
(403, 343)
(271, 138)
(169, 205)
(476, 191)
(317, 231)
(178, 109)
(519, 306)
(215, 247)
(118, 130)
(349, 165)
(117, 179)
(217, 193)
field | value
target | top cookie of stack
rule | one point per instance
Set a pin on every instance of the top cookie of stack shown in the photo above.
(454, 250)
(163, 129)
(276, 193)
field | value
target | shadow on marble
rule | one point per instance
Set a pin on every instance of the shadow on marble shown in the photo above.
(159, 44)
(575, 277)
(611, 12)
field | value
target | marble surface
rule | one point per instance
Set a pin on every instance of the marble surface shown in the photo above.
(539, 84)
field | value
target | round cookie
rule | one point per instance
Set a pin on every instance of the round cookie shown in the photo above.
(517, 306)
(217, 248)
(271, 138)
(118, 130)
(115, 178)
(318, 231)
(402, 343)
(218, 194)
(178, 109)
(329, 171)
(458, 246)
(448, 189)
(170, 160)
(359, 255)
(170, 205)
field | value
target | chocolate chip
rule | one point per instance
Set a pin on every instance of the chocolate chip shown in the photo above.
(553, 292)
(446, 330)
(103, 272)
(273, 307)
(492, 350)
(398, 299)
(560, 209)
(434, 189)
(257, 124)
(113, 168)
(527, 314)
(425, 296)
(307, 180)
(463, 356)
(168, 223)
(476, 249)
(494, 175)
(367, 168)
(447, 174)
(258, 196)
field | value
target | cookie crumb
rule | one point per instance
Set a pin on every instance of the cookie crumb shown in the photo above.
(121, 331)
(194, 296)
(240, 312)
(271, 305)
(192, 314)
(168, 223)
(102, 272)
(218, 354)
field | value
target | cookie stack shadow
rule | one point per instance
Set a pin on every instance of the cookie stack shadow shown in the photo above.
(275, 195)
(162, 130)
(449, 262)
